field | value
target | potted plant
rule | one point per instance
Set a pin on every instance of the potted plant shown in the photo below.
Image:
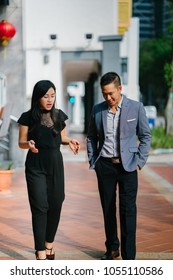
(6, 177)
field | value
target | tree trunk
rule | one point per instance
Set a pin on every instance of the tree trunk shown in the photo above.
(169, 106)
(169, 115)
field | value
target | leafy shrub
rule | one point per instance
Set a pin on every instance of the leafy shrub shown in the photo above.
(160, 139)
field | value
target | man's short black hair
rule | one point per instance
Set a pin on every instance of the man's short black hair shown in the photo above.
(110, 77)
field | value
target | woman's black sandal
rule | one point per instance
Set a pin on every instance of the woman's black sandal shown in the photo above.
(50, 256)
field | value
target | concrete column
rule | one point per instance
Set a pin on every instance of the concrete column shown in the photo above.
(110, 56)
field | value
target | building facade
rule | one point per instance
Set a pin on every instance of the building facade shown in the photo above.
(154, 17)
(12, 78)
(67, 43)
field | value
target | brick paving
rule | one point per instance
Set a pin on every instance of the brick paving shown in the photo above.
(81, 235)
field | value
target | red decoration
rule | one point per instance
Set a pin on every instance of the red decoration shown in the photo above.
(7, 31)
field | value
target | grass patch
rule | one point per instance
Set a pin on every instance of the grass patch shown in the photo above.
(160, 139)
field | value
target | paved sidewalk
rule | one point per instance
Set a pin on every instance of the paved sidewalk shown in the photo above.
(80, 234)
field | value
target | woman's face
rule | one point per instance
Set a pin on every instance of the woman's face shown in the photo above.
(47, 101)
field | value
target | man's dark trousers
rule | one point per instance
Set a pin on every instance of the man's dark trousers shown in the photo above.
(110, 175)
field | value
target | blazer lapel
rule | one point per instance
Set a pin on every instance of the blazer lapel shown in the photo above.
(104, 117)
(124, 111)
(104, 120)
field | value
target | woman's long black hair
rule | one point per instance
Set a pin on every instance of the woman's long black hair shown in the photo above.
(39, 90)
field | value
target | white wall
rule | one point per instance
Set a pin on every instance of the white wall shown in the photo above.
(3, 90)
(36, 70)
(70, 20)
(130, 48)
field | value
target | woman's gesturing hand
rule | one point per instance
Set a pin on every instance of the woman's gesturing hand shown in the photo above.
(74, 146)
(32, 147)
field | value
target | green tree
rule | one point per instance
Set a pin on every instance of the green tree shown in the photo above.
(168, 71)
(156, 73)
(154, 54)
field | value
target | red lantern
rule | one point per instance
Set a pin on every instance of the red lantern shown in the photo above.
(7, 31)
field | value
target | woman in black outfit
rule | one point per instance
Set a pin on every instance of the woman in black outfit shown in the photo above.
(42, 131)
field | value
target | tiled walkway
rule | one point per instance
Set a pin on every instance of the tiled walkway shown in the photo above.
(80, 234)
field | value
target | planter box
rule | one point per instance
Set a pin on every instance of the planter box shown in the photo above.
(5, 179)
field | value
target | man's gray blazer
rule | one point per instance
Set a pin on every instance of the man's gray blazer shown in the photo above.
(135, 135)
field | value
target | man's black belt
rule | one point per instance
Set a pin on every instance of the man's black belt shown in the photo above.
(114, 160)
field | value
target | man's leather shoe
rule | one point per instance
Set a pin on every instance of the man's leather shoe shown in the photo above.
(110, 255)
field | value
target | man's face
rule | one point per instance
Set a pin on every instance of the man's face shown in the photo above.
(112, 94)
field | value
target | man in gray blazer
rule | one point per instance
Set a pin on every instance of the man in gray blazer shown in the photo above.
(118, 144)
